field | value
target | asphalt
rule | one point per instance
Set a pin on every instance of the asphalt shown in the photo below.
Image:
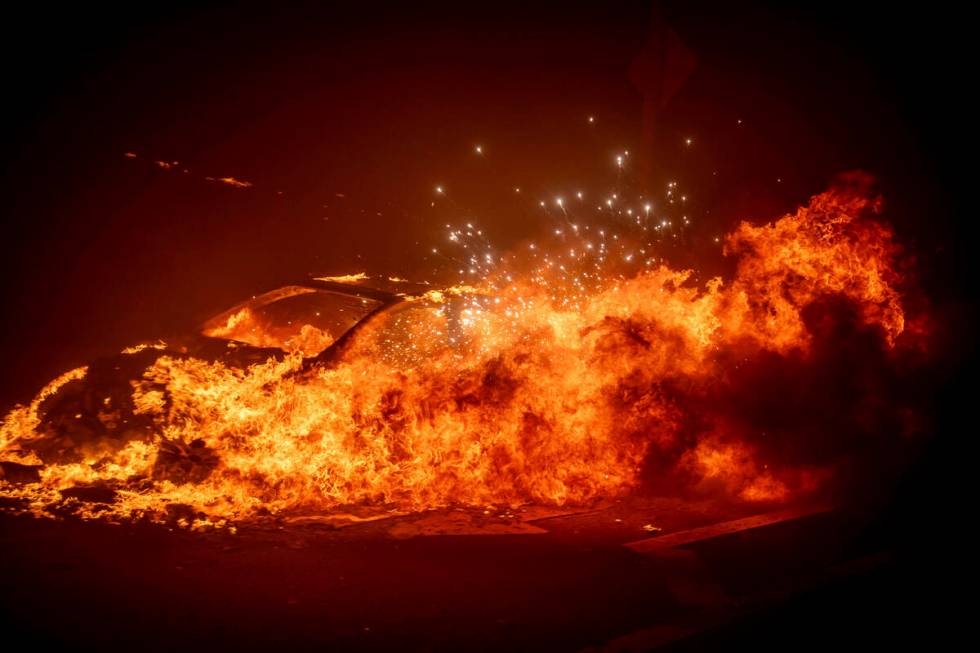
(532, 579)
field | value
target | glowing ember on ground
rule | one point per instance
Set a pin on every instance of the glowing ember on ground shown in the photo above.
(557, 382)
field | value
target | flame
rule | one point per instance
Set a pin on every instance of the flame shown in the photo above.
(346, 278)
(822, 249)
(143, 346)
(520, 395)
(245, 326)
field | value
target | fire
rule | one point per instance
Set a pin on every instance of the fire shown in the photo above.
(346, 278)
(540, 388)
(245, 326)
(822, 249)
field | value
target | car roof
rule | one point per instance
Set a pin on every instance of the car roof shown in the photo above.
(387, 290)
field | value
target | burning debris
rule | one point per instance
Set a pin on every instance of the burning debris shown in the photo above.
(554, 385)
(170, 166)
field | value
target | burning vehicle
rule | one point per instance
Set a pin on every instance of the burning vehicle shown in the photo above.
(553, 380)
(316, 319)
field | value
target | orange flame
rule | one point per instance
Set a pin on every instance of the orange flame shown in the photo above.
(517, 398)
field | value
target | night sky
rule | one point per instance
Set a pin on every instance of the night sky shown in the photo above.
(345, 118)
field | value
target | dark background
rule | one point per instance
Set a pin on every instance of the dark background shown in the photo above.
(381, 102)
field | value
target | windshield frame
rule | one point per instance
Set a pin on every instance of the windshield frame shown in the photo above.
(285, 291)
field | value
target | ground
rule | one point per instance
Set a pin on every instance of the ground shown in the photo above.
(533, 579)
